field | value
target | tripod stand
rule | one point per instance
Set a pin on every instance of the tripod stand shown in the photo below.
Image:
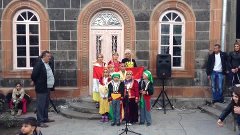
(163, 94)
(126, 130)
(53, 105)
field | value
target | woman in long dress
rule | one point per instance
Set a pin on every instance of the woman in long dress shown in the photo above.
(98, 63)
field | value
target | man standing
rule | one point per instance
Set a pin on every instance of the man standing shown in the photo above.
(43, 78)
(216, 68)
(234, 65)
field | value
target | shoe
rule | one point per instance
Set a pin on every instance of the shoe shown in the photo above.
(141, 123)
(118, 123)
(49, 120)
(12, 112)
(19, 112)
(97, 105)
(43, 125)
(103, 119)
(106, 118)
(113, 123)
(148, 124)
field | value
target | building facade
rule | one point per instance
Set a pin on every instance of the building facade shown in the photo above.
(76, 30)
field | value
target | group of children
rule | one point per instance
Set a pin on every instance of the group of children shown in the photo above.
(118, 94)
(119, 97)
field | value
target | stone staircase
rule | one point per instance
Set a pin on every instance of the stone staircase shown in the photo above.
(83, 108)
(215, 111)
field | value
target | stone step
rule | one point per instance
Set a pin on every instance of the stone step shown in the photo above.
(86, 99)
(69, 113)
(220, 106)
(84, 107)
(215, 113)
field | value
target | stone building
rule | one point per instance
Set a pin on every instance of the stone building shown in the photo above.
(76, 30)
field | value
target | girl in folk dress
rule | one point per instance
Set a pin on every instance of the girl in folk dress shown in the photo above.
(103, 91)
(98, 63)
(110, 69)
(131, 101)
(115, 62)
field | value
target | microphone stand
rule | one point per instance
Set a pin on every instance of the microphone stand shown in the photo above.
(126, 130)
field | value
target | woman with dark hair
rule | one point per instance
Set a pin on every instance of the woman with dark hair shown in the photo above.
(18, 102)
(235, 102)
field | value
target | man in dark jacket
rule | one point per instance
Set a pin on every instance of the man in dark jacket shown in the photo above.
(217, 66)
(43, 78)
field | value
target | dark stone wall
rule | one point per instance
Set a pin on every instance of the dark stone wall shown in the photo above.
(63, 15)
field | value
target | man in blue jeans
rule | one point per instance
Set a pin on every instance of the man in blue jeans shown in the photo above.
(217, 66)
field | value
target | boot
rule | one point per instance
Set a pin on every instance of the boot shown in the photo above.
(19, 112)
(102, 120)
(12, 112)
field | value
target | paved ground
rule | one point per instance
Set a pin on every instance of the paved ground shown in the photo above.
(175, 122)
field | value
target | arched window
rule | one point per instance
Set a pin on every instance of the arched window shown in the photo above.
(172, 37)
(26, 38)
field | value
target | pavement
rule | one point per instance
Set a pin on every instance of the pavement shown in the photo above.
(174, 122)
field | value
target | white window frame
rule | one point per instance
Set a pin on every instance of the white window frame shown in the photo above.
(172, 23)
(27, 23)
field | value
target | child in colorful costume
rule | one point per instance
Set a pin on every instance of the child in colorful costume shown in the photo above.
(131, 101)
(146, 90)
(115, 96)
(103, 91)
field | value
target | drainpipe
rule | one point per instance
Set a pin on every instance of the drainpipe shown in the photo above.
(223, 33)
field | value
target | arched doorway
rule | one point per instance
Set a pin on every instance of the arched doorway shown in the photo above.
(106, 37)
(83, 49)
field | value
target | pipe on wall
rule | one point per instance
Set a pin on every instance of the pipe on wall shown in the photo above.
(223, 32)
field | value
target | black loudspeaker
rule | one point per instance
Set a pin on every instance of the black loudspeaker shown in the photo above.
(163, 65)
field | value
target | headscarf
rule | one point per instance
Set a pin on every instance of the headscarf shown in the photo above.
(115, 74)
(149, 75)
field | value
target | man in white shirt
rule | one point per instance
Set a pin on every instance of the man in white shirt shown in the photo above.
(216, 68)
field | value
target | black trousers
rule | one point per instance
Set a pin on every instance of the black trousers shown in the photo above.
(42, 106)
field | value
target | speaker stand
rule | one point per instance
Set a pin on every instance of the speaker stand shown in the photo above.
(163, 94)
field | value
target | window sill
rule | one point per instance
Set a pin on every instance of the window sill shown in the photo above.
(17, 74)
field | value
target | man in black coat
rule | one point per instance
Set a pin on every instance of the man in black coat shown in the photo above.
(43, 78)
(234, 65)
(217, 66)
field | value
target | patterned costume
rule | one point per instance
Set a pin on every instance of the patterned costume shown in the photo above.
(95, 93)
(145, 101)
(131, 89)
(103, 91)
(115, 95)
